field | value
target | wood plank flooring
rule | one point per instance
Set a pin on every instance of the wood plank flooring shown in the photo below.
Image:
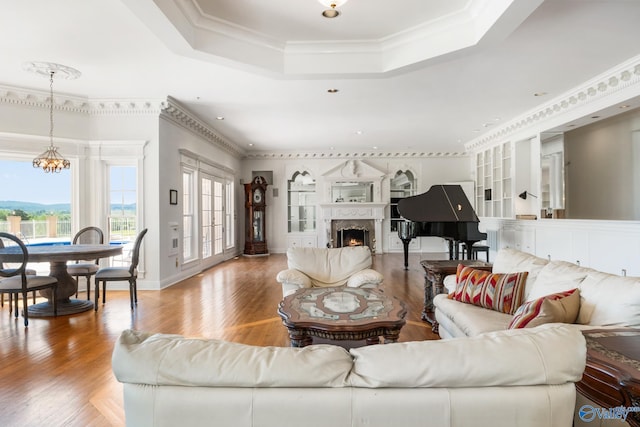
(57, 372)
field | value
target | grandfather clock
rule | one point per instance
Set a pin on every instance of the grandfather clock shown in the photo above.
(255, 208)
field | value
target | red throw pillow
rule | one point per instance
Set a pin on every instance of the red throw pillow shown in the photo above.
(499, 292)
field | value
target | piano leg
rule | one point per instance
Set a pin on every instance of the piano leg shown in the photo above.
(405, 245)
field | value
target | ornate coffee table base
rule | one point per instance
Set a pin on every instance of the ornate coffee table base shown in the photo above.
(304, 336)
(342, 314)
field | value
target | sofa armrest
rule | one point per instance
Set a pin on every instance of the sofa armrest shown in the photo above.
(365, 278)
(292, 280)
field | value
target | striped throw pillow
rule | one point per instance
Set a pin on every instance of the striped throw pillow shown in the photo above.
(560, 307)
(499, 292)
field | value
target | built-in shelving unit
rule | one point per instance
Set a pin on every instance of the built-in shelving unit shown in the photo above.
(494, 189)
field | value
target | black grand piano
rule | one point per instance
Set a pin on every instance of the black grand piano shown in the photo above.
(442, 211)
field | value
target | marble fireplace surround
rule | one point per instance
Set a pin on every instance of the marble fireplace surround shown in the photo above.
(339, 216)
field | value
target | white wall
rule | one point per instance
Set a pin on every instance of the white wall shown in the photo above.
(168, 175)
(600, 169)
(428, 172)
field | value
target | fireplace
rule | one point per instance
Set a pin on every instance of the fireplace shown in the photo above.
(353, 233)
(362, 222)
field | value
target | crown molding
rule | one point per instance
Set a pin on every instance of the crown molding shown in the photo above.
(40, 99)
(320, 155)
(181, 116)
(625, 78)
(76, 104)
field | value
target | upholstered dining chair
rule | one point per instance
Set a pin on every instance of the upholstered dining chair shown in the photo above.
(28, 271)
(121, 274)
(86, 236)
(14, 279)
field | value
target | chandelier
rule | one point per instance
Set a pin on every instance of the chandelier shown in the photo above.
(333, 4)
(51, 160)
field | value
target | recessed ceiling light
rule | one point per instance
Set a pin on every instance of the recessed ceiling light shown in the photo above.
(333, 90)
(358, 132)
(250, 144)
(625, 106)
(375, 147)
(540, 94)
(219, 118)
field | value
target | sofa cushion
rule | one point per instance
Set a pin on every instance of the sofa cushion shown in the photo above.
(510, 260)
(329, 267)
(499, 292)
(471, 319)
(609, 300)
(557, 276)
(561, 307)
(160, 359)
(549, 354)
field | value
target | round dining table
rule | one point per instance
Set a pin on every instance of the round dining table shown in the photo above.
(57, 256)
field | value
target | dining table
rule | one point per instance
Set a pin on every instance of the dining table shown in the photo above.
(58, 255)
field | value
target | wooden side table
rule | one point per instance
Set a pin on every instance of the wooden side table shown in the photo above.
(612, 375)
(434, 273)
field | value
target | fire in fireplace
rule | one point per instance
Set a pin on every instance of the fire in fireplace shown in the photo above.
(360, 232)
(353, 237)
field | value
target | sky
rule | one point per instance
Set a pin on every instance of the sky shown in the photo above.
(22, 182)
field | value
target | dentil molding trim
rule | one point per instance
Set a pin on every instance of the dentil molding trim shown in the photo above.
(181, 116)
(297, 155)
(80, 105)
(620, 78)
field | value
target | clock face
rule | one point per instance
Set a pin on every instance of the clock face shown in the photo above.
(257, 196)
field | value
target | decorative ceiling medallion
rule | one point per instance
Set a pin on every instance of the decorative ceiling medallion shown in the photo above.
(45, 69)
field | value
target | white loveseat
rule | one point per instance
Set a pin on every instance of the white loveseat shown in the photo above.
(323, 267)
(510, 378)
(605, 299)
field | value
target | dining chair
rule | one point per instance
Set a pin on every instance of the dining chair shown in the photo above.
(86, 236)
(14, 279)
(28, 271)
(120, 274)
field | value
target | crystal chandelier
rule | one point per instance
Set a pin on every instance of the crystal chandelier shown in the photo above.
(51, 160)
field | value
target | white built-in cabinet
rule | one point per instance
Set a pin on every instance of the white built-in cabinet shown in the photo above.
(301, 210)
(494, 181)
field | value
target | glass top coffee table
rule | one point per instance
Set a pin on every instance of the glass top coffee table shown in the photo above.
(342, 314)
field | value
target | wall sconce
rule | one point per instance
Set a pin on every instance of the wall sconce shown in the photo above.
(523, 195)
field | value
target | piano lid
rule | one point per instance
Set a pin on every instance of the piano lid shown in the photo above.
(441, 203)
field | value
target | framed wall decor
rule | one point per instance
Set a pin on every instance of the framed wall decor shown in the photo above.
(173, 197)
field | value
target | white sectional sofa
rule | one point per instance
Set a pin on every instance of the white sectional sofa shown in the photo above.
(512, 378)
(605, 299)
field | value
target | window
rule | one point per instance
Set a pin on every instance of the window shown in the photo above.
(229, 215)
(189, 250)
(123, 210)
(122, 203)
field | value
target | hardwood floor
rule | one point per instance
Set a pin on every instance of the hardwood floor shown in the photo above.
(57, 372)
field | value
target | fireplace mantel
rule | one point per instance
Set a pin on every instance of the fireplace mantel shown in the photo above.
(348, 210)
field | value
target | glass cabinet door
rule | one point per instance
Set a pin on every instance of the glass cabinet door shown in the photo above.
(302, 203)
(402, 185)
